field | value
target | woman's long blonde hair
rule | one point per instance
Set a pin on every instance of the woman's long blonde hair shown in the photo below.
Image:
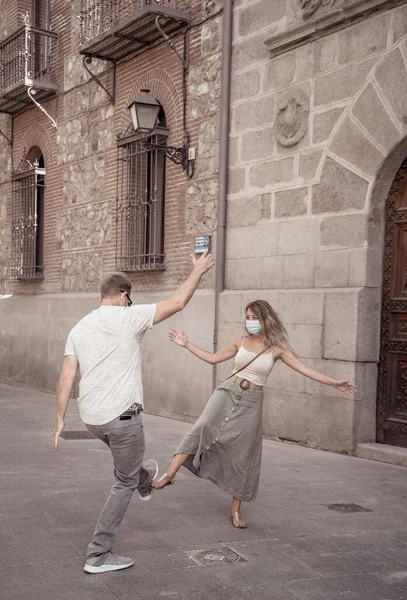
(273, 332)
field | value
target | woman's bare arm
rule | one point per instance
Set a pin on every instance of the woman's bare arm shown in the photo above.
(212, 358)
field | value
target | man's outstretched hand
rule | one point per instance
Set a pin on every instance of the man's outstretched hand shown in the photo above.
(204, 263)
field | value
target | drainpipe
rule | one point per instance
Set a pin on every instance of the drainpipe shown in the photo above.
(223, 169)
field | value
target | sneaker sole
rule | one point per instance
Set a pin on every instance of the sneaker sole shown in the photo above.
(105, 568)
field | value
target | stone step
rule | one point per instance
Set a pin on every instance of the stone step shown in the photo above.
(394, 455)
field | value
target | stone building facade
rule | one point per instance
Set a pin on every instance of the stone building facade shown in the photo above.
(317, 144)
(315, 206)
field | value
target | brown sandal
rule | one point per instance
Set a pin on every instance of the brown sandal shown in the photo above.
(237, 516)
(166, 478)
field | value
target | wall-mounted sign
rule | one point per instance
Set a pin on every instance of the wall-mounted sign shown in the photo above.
(202, 243)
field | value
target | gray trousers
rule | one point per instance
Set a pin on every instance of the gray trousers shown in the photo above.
(125, 439)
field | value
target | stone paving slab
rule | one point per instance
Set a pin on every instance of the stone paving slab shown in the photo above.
(295, 548)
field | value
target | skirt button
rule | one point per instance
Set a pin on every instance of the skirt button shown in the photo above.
(216, 439)
(207, 447)
(226, 419)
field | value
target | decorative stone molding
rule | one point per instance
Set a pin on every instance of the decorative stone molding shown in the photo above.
(291, 117)
(335, 15)
(308, 7)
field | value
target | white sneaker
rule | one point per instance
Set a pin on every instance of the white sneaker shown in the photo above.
(152, 467)
(107, 562)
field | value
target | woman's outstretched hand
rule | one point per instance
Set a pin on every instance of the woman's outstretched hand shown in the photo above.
(345, 386)
(178, 338)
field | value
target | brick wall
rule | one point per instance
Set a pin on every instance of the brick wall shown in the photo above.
(81, 156)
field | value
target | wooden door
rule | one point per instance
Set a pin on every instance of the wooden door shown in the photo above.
(392, 388)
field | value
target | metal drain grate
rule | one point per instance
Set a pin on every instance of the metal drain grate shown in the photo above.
(348, 508)
(215, 557)
(78, 435)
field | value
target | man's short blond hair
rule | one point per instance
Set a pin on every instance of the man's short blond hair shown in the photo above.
(114, 285)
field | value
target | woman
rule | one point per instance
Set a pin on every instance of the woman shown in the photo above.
(225, 443)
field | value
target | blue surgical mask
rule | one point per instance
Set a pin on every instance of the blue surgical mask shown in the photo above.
(253, 327)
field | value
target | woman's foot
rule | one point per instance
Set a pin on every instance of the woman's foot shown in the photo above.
(238, 521)
(163, 481)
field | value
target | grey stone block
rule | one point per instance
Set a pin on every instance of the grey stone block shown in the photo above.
(271, 173)
(308, 164)
(332, 269)
(272, 272)
(245, 85)
(302, 307)
(365, 268)
(338, 369)
(341, 84)
(279, 72)
(306, 340)
(392, 78)
(285, 379)
(354, 146)
(297, 237)
(253, 114)
(324, 54)
(346, 231)
(251, 242)
(291, 203)
(248, 273)
(248, 52)
(247, 211)
(285, 415)
(363, 39)
(350, 333)
(231, 306)
(323, 124)
(257, 145)
(234, 149)
(339, 189)
(400, 23)
(298, 271)
(259, 15)
(230, 274)
(372, 114)
(237, 180)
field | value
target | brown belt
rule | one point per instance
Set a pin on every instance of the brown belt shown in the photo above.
(245, 384)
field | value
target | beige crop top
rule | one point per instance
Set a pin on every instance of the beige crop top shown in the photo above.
(260, 368)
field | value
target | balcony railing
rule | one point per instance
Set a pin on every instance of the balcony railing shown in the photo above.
(126, 25)
(25, 62)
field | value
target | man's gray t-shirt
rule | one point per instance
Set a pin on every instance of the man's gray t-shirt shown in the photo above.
(107, 345)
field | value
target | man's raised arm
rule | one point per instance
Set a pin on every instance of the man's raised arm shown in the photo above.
(180, 298)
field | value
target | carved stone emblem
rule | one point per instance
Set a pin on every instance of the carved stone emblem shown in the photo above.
(308, 7)
(292, 118)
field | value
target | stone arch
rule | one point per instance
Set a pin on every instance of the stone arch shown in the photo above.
(365, 138)
(163, 88)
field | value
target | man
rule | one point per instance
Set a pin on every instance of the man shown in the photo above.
(105, 345)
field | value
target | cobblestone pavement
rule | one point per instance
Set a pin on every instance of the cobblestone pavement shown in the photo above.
(296, 546)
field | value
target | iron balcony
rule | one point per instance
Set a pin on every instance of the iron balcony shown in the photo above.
(113, 29)
(25, 62)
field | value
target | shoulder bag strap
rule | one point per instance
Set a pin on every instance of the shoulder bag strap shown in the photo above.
(248, 364)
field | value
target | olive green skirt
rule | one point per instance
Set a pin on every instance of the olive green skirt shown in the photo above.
(225, 443)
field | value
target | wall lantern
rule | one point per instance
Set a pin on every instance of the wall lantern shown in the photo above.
(144, 112)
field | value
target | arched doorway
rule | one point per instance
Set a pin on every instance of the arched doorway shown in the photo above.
(392, 384)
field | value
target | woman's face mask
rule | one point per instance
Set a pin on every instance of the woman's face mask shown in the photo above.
(253, 326)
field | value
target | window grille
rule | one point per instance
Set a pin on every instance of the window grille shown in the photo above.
(27, 221)
(140, 204)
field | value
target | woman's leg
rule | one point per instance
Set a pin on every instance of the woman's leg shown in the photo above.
(240, 522)
(174, 467)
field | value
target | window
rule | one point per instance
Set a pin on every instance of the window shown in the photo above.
(27, 235)
(140, 202)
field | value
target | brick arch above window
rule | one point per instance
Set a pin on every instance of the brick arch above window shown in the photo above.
(163, 88)
(36, 136)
